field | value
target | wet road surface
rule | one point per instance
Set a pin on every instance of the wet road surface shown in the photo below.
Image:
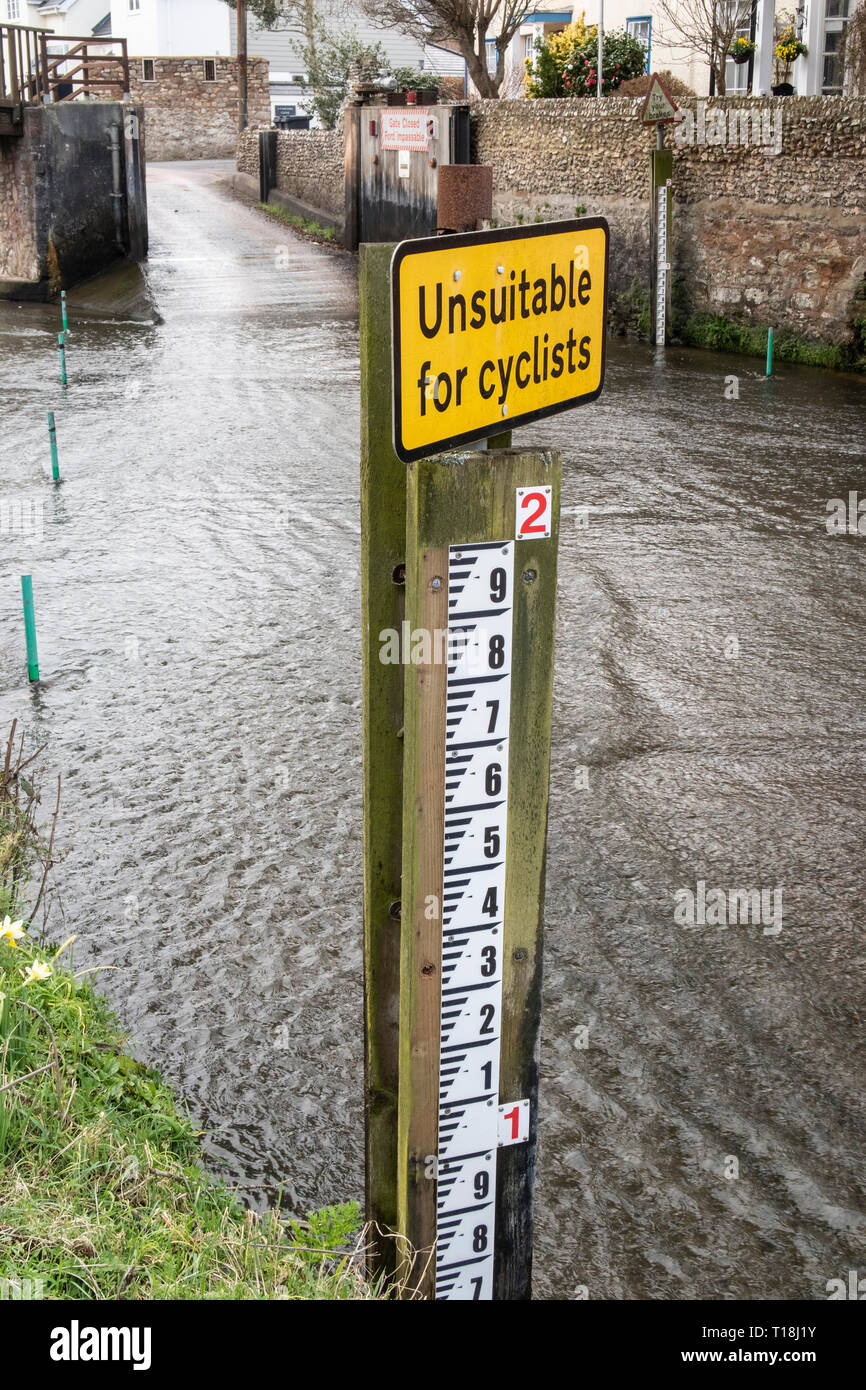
(197, 599)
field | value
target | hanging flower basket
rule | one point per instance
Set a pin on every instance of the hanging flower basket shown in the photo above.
(741, 50)
(789, 48)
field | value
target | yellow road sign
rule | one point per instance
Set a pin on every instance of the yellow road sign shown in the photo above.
(491, 330)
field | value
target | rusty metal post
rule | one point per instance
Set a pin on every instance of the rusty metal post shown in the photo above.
(465, 197)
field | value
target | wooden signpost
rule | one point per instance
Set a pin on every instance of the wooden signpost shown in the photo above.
(660, 109)
(460, 549)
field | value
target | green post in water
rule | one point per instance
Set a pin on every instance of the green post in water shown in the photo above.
(52, 439)
(61, 346)
(30, 627)
(769, 352)
(63, 312)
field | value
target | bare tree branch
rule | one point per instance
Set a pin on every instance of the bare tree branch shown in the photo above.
(468, 23)
(708, 27)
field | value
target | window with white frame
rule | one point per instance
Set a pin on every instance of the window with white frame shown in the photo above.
(737, 74)
(529, 48)
(491, 55)
(135, 6)
(13, 9)
(641, 28)
(836, 15)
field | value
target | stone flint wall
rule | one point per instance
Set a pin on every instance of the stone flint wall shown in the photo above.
(309, 165)
(19, 257)
(769, 196)
(189, 117)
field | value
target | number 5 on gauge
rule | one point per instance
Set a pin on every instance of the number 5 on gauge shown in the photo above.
(533, 513)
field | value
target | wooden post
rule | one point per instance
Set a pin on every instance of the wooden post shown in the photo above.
(352, 179)
(661, 167)
(462, 941)
(383, 555)
(242, 65)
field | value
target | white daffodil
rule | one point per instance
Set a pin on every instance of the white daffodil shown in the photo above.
(12, 931)
(39, 970)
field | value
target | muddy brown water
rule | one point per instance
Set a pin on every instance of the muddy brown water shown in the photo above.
(197, 599)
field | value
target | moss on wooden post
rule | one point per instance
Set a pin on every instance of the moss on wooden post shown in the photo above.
(460, 499)
(383, 539)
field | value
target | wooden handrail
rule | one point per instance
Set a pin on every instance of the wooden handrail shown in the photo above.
(29, 73)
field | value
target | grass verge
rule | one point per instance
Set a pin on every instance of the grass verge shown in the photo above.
(307, 226)
(103, 1194)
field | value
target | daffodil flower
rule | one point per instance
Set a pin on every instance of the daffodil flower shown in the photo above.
(39, 970)
(12, 931)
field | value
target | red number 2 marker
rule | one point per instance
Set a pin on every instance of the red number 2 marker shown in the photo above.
(533, 512)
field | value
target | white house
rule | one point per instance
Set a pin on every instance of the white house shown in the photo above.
(77, 18)
(173, 28)
(177, 28)
(819, 23)
(284, 49)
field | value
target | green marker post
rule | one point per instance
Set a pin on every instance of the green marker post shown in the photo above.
(61, 345)
(30, 627)
(769, 352)
(52, 439)
(63, 312)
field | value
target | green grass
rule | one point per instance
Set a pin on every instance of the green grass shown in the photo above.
(308, 226)
(722, 334)
(103, 1192)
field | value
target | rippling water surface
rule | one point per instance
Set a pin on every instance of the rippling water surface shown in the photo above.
(197, 597)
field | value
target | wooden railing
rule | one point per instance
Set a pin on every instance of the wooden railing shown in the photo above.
(37, 65)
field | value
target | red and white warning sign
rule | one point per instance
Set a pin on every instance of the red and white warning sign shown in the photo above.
(405, 128)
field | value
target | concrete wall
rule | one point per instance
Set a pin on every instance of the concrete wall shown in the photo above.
(773, 231)
(57, 220)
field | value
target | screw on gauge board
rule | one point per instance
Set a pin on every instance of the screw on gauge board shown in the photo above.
(436, 583)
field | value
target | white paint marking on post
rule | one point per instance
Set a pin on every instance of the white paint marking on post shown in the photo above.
(478, 710)
(662, 263)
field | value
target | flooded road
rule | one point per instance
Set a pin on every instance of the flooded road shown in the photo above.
(197, 599)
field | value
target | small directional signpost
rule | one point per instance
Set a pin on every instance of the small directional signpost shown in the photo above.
(488, 330)
(659, 109)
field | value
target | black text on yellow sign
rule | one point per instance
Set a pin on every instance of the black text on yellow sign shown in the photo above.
(494, 329)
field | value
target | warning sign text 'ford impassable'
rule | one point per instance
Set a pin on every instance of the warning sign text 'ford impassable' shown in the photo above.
(495, 329)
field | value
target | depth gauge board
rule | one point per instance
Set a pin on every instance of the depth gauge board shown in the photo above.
(480, 592)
